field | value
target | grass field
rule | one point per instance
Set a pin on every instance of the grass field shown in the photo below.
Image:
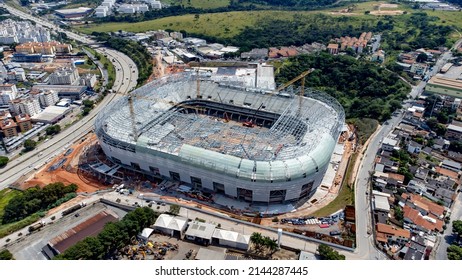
(223, 25)
(5, 196)
(229, 24)
(203, 4)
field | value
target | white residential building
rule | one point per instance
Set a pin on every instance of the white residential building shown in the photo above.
(8, 92)
(133, 8)
(157, 5)
(48, 98)
(65, 76)
(102, 11)
(30, 106)
(21, 32)
(6, 97)
(88, 80)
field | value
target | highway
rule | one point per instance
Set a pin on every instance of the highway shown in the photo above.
(364, 236)
(126, 80)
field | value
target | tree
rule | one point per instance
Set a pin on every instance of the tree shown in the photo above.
(29, 145)
(457, 227)
(327, 253)
(454, 252)
(174, 209)
(3, 161)
(6, 255)
(399, 215)
(271, 244)
(54, 129)
(257, 240)
(422, 57)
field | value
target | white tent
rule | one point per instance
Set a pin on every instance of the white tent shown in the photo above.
(170, 224)
(232, 239)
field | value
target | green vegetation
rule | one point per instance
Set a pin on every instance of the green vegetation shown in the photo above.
(214, 25)
(34, 200)
(114, 237)
(7, 229)
(134, 50)
(405, 160)
(364, 89)
(6, 255)
(87, 106)
(263, 245)
(364, 128)
(174, 209)
(107, 65)
(5, 196)
(454, 252)
(29, 145)
(53, 129)
(327, 253)
(3, 161)
(457, 228)
(201, 4)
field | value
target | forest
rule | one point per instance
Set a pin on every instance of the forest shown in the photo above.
(363, 88)
(113, 237)
(36, 199)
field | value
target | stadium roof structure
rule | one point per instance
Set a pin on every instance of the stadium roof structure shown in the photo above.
(291, 138)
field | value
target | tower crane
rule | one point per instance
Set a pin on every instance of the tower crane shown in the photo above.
(302, 88)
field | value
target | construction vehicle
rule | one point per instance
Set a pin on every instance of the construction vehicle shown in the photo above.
(248, 123)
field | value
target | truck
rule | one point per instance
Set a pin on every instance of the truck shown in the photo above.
(73, 208)
(35, 227)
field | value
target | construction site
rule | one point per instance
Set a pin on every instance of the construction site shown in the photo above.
(260, 146)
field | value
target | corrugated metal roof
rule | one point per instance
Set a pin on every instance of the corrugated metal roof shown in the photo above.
(90, 227)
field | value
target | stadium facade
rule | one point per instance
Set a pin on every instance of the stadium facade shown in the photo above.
(247, 143)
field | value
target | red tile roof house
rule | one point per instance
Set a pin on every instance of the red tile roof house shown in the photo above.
(414, 219)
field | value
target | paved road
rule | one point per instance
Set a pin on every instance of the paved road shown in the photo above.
(447, 238)
(126, 80)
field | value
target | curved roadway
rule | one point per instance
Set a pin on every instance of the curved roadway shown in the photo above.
(126, 79)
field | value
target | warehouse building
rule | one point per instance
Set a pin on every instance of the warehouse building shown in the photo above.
(444, 86)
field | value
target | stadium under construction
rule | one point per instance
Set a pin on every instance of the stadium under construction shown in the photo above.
(246, 143)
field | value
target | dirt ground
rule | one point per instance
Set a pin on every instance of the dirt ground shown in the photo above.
(67, 173)
(387, 13)
(389, 6)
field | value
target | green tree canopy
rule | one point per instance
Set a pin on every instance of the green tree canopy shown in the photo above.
(3, 161)
(457, 227)
(29, 145)
(6, 255)
(454, 252)
(327, 253)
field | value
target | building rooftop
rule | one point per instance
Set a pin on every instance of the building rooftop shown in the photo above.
(455, 128)
(90, 227)
(202, 230)
(171, 222)
(446, 82)
(392, 230)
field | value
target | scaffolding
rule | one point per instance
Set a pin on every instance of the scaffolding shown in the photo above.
(282, 130)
